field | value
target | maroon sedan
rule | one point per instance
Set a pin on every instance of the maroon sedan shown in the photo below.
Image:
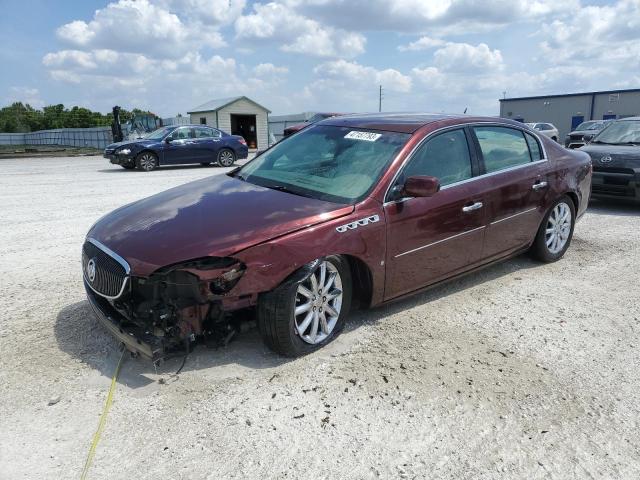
(355, 210)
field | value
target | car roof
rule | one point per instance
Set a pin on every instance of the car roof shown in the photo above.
(403, 122)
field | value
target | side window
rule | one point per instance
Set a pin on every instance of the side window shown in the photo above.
(502, 147)
(204, 132)
(182, 133)
(445, 156)
(534, 147)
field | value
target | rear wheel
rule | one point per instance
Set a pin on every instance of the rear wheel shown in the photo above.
(226, 157)
(147, 161)
(301, 316)
(555, 232)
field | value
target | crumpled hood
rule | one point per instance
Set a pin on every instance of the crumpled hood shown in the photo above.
(215, 216)
(622, 156)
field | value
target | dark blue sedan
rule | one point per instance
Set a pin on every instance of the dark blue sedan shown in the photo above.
(178, 145)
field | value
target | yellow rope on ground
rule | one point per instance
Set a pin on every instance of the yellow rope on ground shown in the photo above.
(103, 420)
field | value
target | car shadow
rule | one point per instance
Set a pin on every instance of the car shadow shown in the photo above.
(79, 334)
(618, 208)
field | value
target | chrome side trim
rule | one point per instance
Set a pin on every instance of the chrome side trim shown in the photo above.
(439, 241)
(118, 259)
(514, 215)
(463, 125)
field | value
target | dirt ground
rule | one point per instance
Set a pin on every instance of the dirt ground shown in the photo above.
(521, 371)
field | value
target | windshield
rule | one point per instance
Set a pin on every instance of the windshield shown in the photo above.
(337, 164)
(623, 132)
(159, 134)
(589, 126)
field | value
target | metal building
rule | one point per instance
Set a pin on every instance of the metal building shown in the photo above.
(569, 110)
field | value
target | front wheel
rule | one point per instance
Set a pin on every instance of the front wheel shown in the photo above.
(226, 157)
(304, 314)
(555, 232)
(147, 161)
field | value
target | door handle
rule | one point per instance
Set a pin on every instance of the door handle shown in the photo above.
(471, 208)
(539, 185)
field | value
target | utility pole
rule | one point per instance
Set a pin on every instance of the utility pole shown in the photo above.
(380, 100)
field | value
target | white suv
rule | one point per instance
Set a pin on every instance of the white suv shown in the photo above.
(548, 129)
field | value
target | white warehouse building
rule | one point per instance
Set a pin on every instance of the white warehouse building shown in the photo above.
(237, 116)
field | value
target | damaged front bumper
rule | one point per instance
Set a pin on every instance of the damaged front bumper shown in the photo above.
(132, 338)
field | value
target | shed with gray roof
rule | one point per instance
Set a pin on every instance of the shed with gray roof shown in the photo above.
(238, 116)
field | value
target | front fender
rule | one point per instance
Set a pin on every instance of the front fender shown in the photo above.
(272, 262)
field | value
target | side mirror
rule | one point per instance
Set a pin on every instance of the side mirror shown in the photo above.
(421, 186)
(167, 139)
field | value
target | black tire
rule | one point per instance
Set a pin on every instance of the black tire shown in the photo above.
(540, 250)
(147, 161)
(226, 157)
(276, 319)
(205, 164)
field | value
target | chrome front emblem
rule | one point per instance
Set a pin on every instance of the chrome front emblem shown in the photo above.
(91, 270)
(606, 159)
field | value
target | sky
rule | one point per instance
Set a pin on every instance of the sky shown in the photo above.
(313, 55)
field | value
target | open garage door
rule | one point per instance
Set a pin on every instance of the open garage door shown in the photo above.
(245, 125)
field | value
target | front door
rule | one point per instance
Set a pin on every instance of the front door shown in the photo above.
(514, 165)
(181, 146)
(429, 239)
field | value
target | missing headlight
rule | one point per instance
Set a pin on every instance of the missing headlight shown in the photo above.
(227, 280)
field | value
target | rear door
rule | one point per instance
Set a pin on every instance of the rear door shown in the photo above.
(429, 239)
(181, 147)
(513, 163)
(206, 144)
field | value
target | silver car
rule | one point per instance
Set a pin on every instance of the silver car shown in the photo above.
(548, 129)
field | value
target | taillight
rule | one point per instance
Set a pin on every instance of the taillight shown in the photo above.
(242, 141)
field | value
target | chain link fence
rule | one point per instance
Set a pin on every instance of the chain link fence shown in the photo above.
(96, 137)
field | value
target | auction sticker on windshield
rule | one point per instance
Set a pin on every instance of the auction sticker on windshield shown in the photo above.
(366, 136)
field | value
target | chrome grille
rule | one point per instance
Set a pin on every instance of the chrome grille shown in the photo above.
(110, 274)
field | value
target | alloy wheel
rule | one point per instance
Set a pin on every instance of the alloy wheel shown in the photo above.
(558, 228)
(225, 158)
(147, 162)
(318, 303)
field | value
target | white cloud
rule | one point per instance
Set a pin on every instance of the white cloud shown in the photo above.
(423, 43)
(462, 57)
(422, 16)
(139, 26)
(269, 70)
(613, 36)
(295, 33)
(352, 73)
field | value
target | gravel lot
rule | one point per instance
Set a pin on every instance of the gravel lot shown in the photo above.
(521, 371)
